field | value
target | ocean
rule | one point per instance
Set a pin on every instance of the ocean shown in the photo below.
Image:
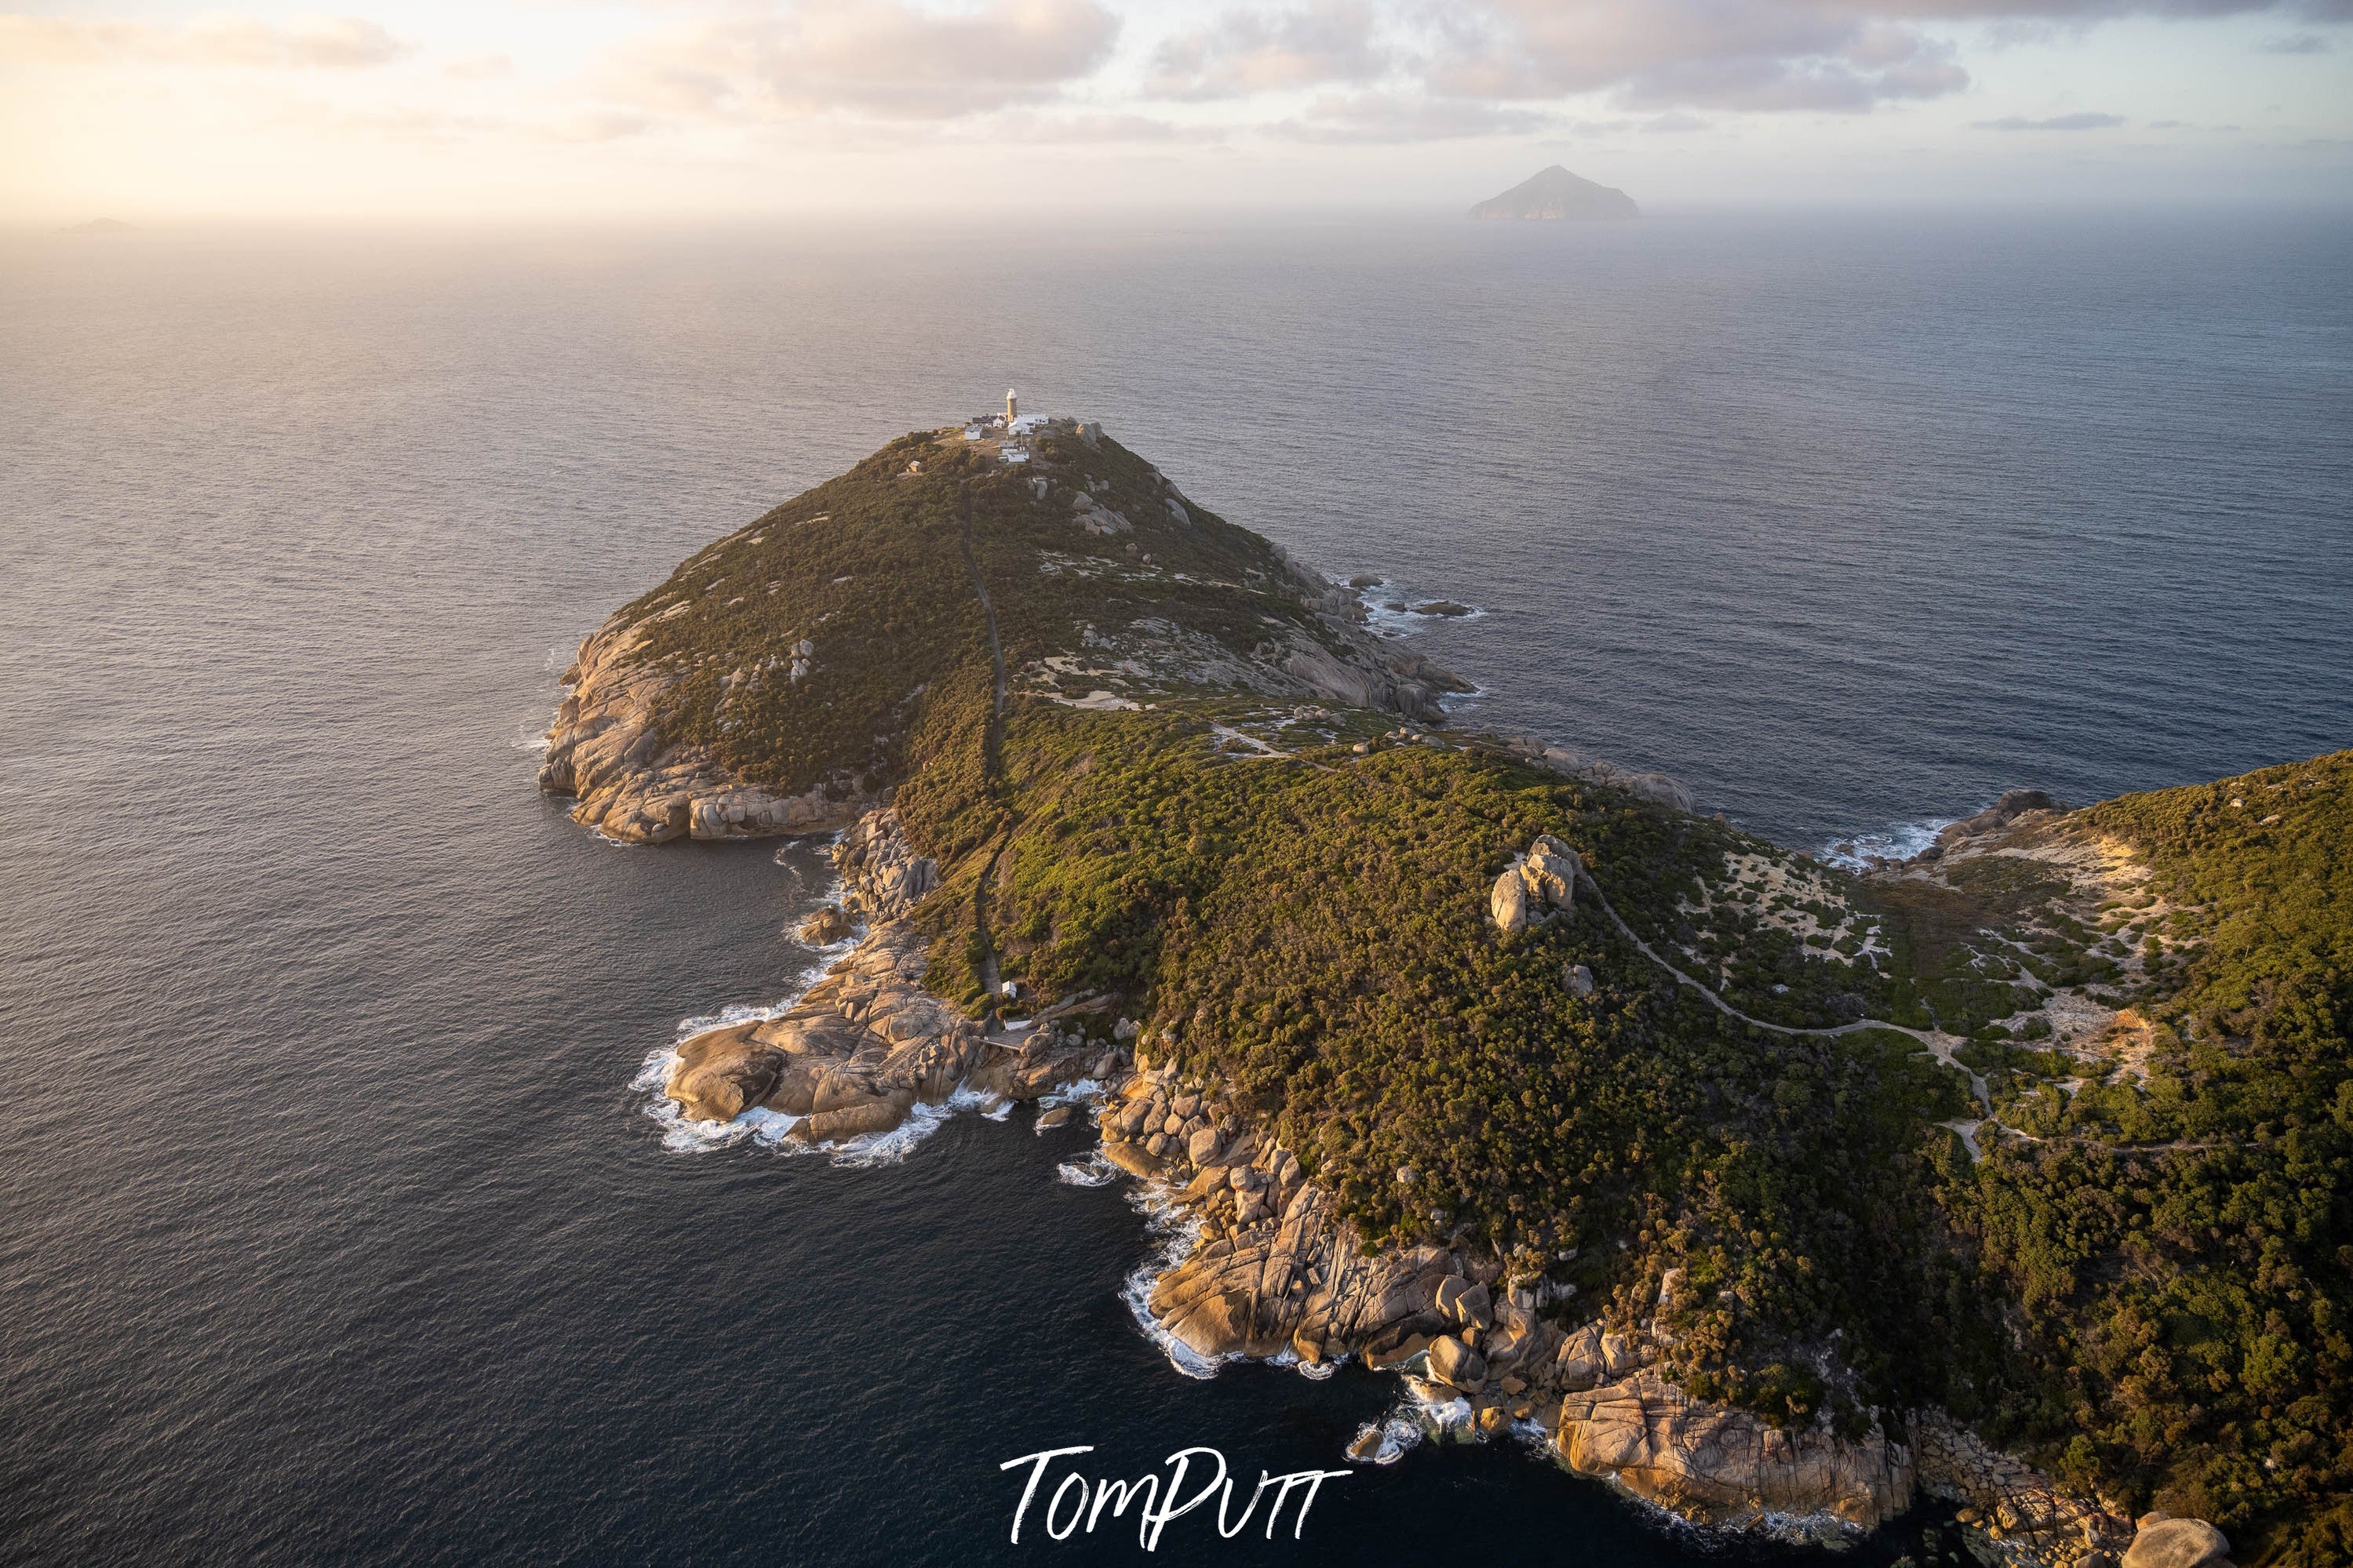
(333, 1223)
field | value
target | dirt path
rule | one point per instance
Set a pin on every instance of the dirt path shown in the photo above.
(1940, 1045)
(1929, 1038)
(992, 764)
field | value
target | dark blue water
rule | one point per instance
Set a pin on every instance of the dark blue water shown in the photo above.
(331, 1228)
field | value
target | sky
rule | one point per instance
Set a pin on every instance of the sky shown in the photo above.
(150, 111)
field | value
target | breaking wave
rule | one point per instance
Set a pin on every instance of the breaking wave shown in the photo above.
(1900, 842)
(1178, 1233)
(1400, 1432)
(1392, 612)
(1095, 1169)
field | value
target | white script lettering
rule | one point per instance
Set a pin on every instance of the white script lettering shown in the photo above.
(1160, 1501)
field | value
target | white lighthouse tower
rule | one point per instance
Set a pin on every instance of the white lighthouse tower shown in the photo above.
(1012, 407)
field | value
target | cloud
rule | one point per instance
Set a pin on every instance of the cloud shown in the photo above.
(1762, 85)
(480, 67)
(1243, 52)
(1844, 56)
(1022, 125)
(1758, 55)
(885, 59)
(2056, 123)
(2297, 43)
(1388, 117)
(425, 123)
(343, 43)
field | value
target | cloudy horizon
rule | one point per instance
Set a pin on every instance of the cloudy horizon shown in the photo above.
(750, 108)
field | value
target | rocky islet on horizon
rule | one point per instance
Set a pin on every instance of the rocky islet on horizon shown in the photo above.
(1280, 1271)
(1554, 194)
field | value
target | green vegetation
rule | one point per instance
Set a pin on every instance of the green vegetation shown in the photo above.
(868, 569)
(2180, 1251)
(1312, 933)
(2153, 1299)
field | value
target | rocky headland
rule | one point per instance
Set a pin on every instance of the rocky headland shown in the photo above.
(1734, 1178)
(637, 784)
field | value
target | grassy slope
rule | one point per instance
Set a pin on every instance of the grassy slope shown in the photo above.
(1314, 933)
(869, 568)
(2166, 1323)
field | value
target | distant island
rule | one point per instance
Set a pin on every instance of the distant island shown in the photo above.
(1557, 194)
(1778, 1194)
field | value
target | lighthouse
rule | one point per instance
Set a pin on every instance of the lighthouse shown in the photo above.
(1012, 409)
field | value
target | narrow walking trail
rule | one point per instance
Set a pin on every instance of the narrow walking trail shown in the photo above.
(1940, 1045)
(992, 762)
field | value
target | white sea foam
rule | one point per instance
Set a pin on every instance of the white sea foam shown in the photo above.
(1901, 842)
(785, 854)
(768, 1127)
(1079, 1091)
(1173, 1227)
(1401, 1432)
(1318, 1371)
(1399, 623)
(1093, 1170)
(1314, 1371)
(1455, 701)
(833, 892)
(1450, 1418)
(684, 1133)
(869, 1149)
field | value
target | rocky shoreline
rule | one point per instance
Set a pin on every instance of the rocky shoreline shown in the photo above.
(863, 1046)
(1275, 1274)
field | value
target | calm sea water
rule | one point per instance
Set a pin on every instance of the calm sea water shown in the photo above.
(331, 1227)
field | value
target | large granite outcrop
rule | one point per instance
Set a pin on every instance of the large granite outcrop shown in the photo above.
(1275, 1271)
(2024, 1514)
(1717, 1465)
(853, 1055)
(2165, 1542)
(1367, 675)
(1536, 886)
(631, 782)
(882, 875)
(1278, 1270)
(2016, 808)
